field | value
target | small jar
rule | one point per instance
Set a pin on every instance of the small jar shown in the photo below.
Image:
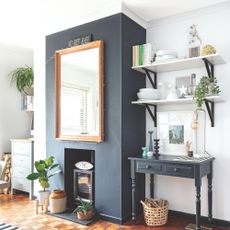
(57, 201)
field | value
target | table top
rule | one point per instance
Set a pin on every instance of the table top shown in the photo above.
(163, 158)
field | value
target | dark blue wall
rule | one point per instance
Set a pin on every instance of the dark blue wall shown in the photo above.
(124, 123)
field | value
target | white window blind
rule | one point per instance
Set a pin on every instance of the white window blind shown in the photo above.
(74, 100)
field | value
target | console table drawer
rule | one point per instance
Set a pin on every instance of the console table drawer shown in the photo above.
(147, 167)
(177, 170)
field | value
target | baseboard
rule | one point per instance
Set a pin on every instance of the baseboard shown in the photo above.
(204, 219)
(111, 218)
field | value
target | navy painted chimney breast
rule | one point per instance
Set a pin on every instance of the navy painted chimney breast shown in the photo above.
(124, 122)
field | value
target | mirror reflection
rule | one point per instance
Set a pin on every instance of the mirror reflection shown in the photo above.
(79, 92)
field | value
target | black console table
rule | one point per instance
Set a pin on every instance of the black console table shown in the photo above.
(177, 166)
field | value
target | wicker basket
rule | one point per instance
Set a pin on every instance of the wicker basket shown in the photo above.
(155, 211)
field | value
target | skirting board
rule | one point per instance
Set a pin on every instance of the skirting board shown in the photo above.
(111, 219)
(204, 219)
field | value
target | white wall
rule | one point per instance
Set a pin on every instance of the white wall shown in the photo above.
(171, 33)
(14, 123)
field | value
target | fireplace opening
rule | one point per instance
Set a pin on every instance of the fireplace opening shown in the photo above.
(78, 183)
(83, 185)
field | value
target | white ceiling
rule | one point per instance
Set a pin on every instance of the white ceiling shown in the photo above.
(22, 22)
(156, 9)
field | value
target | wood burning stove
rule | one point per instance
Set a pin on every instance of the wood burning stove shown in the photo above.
(83, 185)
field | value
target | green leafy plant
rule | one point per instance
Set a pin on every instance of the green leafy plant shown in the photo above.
(84, 206)
(44, 171)
(24, 79)
(206, 87)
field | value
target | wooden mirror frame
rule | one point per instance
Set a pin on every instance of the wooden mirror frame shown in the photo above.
(97, 138)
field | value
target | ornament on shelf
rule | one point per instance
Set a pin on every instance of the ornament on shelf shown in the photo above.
(156, 147)
(194, 42)
(189, 153)
(150, 152)
(171, 94)
(144, 152)
(208, 49)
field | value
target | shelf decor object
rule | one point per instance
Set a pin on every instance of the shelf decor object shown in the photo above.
(156, 147)
(196, 62)
(150, 141)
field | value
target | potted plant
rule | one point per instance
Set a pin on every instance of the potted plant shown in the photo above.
(24, 79)
(206, 87)
(84, 210)
(44, 172)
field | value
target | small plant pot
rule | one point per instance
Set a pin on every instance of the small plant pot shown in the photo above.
(85, 216)
(42, 196)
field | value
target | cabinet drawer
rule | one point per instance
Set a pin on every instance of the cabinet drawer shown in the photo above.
(20, 172)
(177, 170)
(21, 184)
(146, 166)
(22, 148)
(22, 161)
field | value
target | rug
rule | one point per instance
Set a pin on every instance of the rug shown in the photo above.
(8, 227)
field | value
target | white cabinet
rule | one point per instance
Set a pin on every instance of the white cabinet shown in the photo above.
(22, 165)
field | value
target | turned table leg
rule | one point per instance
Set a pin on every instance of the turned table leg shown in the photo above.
(133, 177)
(209, 176)
(152, 185)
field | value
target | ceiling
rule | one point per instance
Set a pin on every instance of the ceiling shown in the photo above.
(156, 9)
(22, 22)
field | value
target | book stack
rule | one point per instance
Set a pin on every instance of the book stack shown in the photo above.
(143, 54)
(27, 103)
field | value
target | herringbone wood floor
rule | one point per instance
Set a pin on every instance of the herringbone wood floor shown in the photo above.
(17, 210)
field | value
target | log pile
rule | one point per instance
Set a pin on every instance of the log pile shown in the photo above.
(154, 203)
(7, 158)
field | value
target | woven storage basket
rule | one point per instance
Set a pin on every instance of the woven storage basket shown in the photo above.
(155, 216)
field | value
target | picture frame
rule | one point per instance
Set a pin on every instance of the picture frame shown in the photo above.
(174, 130)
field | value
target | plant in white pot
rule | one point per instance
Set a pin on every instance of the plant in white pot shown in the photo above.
(23, 77)
(44, 172)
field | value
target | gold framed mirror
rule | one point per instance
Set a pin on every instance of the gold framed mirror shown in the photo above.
(79, 77)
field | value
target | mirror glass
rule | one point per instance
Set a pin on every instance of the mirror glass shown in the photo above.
(79, 91)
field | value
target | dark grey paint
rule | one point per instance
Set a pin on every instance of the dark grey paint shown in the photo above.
(124, 123)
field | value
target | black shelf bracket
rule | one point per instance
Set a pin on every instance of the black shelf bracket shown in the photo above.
(210, 108)
(209, 67)
(152, 81)
(152, 115)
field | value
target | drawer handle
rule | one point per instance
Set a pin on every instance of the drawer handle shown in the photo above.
(148, 166)
(176, 170)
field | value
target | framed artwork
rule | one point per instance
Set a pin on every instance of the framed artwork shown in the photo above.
(174, 129)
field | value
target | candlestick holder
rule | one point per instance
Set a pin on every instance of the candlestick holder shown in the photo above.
(156, 147)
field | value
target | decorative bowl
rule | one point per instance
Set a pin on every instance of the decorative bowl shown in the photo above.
(147, 90)
(148, 95)
(166, 52)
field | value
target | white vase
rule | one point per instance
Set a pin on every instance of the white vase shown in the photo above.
(42, 196)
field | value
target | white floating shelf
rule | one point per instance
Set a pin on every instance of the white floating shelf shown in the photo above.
(175, 101)
(180, 64)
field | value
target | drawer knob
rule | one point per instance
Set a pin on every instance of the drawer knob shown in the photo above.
(148, 166)
(176, 170)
